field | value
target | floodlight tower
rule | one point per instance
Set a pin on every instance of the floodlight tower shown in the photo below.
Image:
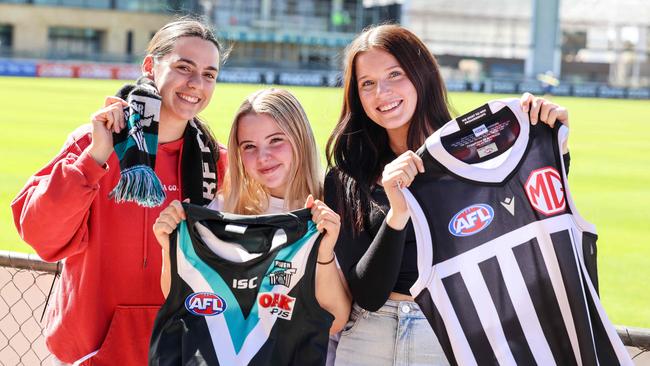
(545, 43)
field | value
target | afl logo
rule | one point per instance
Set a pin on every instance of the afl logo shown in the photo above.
(471, 220)
(205, 304)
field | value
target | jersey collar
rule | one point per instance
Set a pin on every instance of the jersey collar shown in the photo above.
(495, 170)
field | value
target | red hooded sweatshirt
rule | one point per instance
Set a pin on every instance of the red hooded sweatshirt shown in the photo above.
(105, 303)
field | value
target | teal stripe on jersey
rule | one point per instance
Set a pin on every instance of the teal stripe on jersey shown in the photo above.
(238, 326)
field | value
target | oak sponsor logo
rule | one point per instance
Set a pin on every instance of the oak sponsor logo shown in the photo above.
(279, 305)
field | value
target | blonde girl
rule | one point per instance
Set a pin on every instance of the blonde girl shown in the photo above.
(274, 166)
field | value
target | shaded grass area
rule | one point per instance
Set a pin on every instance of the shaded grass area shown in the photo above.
(609, 177)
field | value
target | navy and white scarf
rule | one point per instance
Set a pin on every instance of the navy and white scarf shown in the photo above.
(137, 144)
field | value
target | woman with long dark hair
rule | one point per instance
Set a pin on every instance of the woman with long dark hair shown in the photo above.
(394, 98)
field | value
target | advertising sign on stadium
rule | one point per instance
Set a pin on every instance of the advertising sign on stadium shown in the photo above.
(456, 85)
(499, 86)
(95, 71)
(562, 89)
(533, 87)
(638, 93)
(127, 72)
(585, 90)
(55, 70)
(611, 92)
(309, 79)
(240, 76)
(17, 68)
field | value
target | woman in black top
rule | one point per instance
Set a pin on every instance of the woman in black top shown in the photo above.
(394, 97)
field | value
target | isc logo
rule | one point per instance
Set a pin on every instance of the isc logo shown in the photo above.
(244, 283)
(545, 191)
(471, 220)
(280, 305)
(205, 304)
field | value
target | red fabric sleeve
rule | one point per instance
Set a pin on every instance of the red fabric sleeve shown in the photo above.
(222, 164)
(51, 211)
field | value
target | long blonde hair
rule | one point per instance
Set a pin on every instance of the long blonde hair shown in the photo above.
(241, 193)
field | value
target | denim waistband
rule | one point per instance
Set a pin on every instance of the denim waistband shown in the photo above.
(396, 309)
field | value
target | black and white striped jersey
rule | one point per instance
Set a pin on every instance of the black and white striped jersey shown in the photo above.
(242, 292)
(507, 266)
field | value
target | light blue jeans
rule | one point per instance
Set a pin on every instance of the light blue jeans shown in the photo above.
(397, 334)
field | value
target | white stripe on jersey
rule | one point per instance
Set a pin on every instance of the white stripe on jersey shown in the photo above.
(458, 341)
(467, 265)
(529, 324)
(487, 314)
(555, 274)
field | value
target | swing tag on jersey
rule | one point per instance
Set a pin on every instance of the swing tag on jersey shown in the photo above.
(473, 118)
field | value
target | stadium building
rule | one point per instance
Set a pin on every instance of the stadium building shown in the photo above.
(285, 41)
(601, 47)
(97, 30)
(603, 41)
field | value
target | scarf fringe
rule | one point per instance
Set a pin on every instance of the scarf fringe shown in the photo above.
(139, 184)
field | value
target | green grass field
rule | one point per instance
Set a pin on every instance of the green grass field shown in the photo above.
(610, 161)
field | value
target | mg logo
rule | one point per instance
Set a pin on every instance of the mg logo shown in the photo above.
(545, 191)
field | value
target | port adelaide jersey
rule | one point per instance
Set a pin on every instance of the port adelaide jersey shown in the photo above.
(242, 292)
(507, 266)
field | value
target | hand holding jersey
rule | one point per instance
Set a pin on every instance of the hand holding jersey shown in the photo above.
(165, 224)
(327, 222)
(396, 175)
(545, 111)
(167, 221)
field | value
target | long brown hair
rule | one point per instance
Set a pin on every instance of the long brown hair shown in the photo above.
(163, 42)
(358, 148)
(241, 193)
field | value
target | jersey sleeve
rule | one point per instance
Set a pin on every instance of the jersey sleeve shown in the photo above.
(52, 210)
(371, 264)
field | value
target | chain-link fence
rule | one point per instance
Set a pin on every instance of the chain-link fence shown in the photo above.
(25, 282)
